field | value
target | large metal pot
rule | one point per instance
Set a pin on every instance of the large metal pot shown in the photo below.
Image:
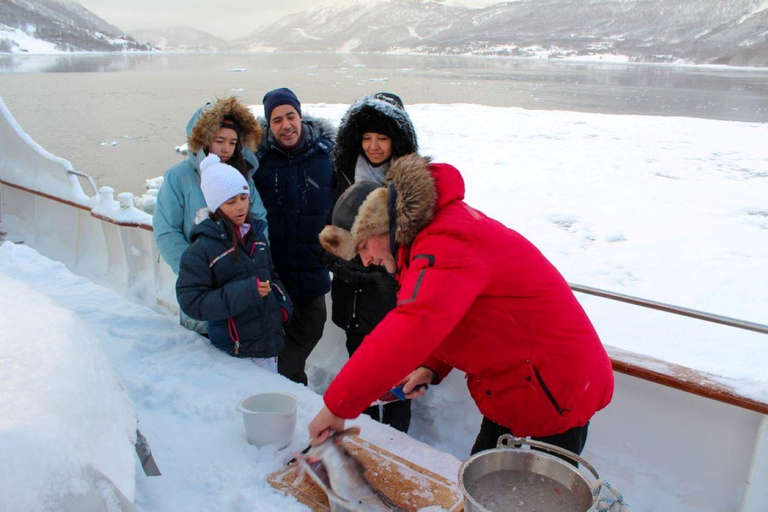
(510, 478)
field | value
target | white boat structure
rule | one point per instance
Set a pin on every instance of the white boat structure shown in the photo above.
(692, 436)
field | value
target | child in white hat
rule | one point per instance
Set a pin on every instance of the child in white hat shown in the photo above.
(226, 275)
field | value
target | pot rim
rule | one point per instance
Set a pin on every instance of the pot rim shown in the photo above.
(507, 442)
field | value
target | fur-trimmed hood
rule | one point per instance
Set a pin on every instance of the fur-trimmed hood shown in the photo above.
(206, 121)
(362, 113)
(416, 190)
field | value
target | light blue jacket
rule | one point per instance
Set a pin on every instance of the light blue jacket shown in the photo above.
(180, 198)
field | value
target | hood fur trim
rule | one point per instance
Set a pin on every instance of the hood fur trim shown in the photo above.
(211, 118)
(415, 207)
(416, 200)
(349, 139)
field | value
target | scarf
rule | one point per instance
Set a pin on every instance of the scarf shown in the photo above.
(364, 171)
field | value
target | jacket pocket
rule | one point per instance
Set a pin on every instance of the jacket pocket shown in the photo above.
(548, 393)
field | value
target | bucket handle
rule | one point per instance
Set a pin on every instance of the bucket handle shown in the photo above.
(510, 441)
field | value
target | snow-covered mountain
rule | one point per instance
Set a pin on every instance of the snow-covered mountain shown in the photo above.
(703, 31)
(372, 25)
(179, 38)
(60, 25)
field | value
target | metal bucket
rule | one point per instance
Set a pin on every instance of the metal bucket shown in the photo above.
(512, 479)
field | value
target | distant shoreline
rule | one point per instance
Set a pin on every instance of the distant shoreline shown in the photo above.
(614, 60)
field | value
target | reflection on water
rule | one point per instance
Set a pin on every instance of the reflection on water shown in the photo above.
(70, 63)
(138, 104)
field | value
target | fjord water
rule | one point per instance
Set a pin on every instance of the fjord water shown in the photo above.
(118, 117)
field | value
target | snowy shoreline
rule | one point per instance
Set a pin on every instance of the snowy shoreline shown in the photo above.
(596, 59)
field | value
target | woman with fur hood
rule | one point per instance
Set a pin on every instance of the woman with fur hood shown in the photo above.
(373, 131)
(227, 129)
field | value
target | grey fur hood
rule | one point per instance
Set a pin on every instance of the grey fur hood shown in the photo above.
(349, 140)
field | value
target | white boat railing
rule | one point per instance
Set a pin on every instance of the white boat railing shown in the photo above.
(711, 437)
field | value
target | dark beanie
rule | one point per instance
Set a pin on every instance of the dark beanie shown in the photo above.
(277, 97)
(347, 206)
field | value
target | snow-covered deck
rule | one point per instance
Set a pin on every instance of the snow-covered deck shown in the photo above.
(666, 448)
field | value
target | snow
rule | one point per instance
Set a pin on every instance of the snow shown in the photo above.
(64, 409)
(24, 43)
(670, 209)
(183, 390)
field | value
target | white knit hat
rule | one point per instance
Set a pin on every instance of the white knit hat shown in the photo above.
(220, 182)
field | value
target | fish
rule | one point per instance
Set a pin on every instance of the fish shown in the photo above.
(342, 478)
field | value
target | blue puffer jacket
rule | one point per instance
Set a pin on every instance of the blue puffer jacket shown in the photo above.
(180, 198)
(212, 286)
(297, 188)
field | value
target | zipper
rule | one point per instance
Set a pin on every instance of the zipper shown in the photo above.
(547, 392)
(354, 308)
(233, 334)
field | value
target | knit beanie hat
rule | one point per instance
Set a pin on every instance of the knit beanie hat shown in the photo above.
(220, 182)
(360, 213)
(277, 97)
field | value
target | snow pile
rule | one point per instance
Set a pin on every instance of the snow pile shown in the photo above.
(147, 201)
(184, 391)
(64, 409)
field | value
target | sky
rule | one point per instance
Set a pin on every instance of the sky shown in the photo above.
(667, 208)
(230, 19)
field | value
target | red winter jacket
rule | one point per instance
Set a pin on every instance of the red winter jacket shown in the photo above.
(477, 296)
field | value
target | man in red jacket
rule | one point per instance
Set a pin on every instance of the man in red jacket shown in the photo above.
(474, 295)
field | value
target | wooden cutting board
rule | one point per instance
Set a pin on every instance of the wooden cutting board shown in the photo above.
(409, 486)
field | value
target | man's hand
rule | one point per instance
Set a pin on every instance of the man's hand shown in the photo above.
(420, 375)
(323, 425)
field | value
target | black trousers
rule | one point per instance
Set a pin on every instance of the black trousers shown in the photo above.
(572, 440)
(302, 332)
(395, 414)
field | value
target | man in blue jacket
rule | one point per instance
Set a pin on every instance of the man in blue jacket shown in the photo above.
(296, 182)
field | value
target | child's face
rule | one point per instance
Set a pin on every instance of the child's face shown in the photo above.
(235, 208)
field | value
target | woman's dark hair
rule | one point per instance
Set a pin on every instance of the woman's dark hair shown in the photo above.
(219, 215)
(236, 160)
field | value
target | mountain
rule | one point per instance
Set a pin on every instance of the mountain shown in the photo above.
(361, 26)
(701, 31)
(179, 38)
(67, 25)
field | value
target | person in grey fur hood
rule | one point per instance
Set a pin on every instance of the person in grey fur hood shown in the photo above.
(373, 131)
(296, 182)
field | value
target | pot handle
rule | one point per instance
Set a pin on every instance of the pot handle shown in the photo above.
(512, 442)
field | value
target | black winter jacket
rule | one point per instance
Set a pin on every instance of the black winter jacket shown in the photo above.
(362, 296)
(212, 286)
(297, 189)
